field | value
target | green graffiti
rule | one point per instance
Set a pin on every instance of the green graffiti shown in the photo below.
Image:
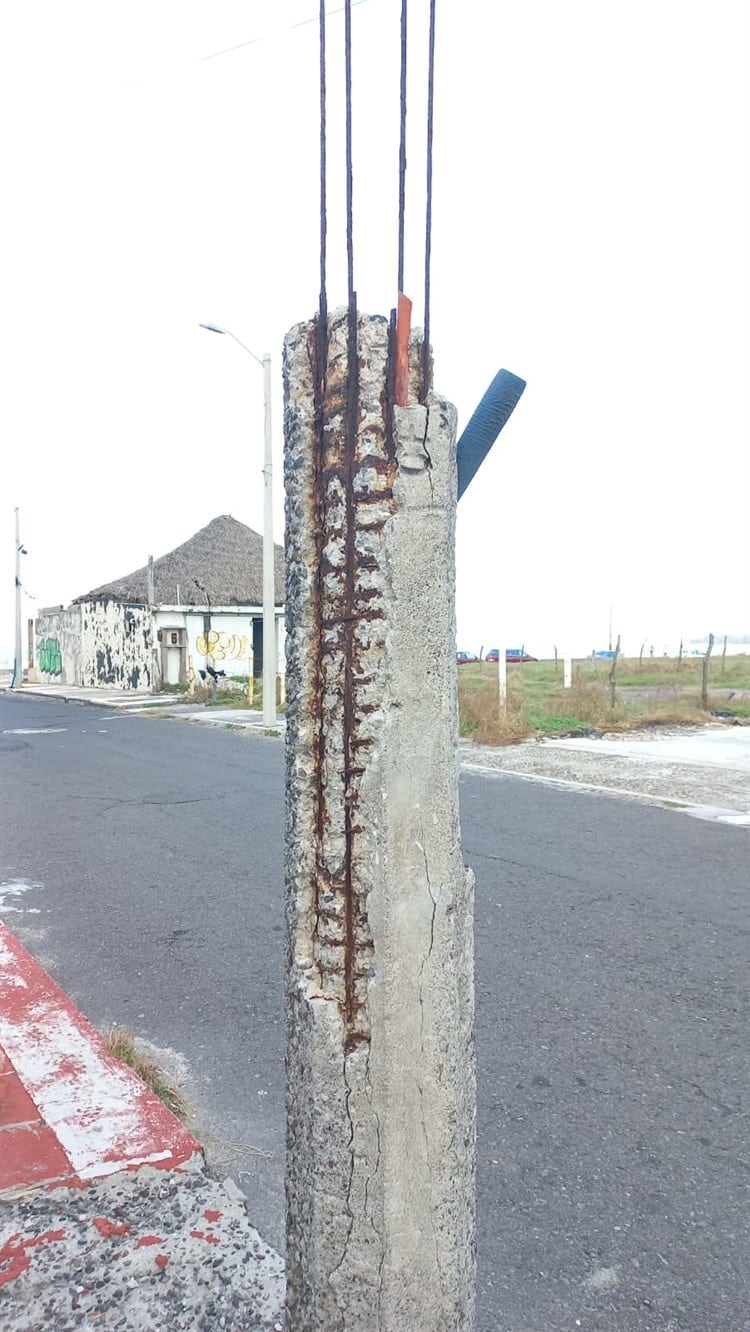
(50, 657)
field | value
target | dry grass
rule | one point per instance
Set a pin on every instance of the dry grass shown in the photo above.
(538, 706)
(123, 1045)
(481, 717)
(227, 697)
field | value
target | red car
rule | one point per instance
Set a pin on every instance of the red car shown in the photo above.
(463, 658)
(511, 654)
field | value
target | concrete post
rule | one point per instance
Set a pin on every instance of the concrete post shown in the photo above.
(17, 680)
(269, 574)
(567, 672)
(380, 1001)
(502, 678)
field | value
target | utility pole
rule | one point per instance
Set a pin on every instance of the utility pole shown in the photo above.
(269, 579)
(380, 995)
(269, 554)
(18, 662)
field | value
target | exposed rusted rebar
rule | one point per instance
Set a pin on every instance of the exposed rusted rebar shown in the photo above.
(350, 501)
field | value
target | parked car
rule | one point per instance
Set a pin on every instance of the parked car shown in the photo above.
(511, 654)
(463, 658)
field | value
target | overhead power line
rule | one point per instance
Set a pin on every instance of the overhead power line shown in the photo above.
(253, 41)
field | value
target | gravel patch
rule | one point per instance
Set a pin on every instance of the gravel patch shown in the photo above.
(642, 766)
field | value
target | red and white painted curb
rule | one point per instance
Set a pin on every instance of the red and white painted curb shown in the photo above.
(69, 1111)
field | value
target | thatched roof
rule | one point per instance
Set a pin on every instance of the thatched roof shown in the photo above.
(222, 565)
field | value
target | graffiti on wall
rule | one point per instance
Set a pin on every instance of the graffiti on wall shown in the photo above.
(50, 657)
(222, 647)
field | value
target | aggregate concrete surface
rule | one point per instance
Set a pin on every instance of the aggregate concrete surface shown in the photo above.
(137, 1252)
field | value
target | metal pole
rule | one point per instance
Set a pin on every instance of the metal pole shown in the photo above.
(18, 663)
(269, 590)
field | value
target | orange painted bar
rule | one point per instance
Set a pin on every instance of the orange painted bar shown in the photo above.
(403, 330)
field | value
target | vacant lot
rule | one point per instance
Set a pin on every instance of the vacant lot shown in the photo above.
(654, 691)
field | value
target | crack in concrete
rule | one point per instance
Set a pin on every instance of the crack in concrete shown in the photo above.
(379, 1234)
(426, 958)
(350, 1185)
(380, 1237)
(427, 453)
(438, 1269)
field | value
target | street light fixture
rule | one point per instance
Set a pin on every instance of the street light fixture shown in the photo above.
(269, 612)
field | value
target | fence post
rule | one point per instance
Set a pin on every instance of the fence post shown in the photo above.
(612, 673)
(567, 672)
(502, 678)
(380, 1052)
(704, 673)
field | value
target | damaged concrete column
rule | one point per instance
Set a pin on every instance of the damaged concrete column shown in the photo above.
(380, 1005)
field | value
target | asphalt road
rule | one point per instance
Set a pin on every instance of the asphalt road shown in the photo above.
(612, 1033)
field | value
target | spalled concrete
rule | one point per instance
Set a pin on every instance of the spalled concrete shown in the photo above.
(380, 1056)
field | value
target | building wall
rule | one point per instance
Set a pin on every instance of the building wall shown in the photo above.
(97, 643)
(117, 646)
(58, 645)
(223, 636)
(107, 644)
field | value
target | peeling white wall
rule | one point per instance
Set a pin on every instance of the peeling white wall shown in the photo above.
(57, 645)
(117, 646)
(97, 643)
(107, 644)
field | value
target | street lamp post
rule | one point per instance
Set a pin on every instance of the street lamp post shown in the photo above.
(17, 680)
(269, 581)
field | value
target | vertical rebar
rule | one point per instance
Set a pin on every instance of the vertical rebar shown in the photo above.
(349, 182)
(323, 302)
(426, 360)
(402, 153)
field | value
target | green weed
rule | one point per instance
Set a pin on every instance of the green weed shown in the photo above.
(121, 1043)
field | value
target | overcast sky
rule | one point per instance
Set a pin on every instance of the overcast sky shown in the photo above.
(591, 224)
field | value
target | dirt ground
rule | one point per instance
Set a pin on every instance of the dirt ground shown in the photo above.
(702, 770)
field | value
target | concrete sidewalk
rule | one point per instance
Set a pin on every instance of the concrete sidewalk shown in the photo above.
(107, 1211)
(137, 701)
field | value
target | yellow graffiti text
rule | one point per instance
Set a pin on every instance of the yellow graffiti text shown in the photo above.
(222, 647)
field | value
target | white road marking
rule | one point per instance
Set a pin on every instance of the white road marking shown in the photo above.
(36, 730)
(712, 813)
(12, 889)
